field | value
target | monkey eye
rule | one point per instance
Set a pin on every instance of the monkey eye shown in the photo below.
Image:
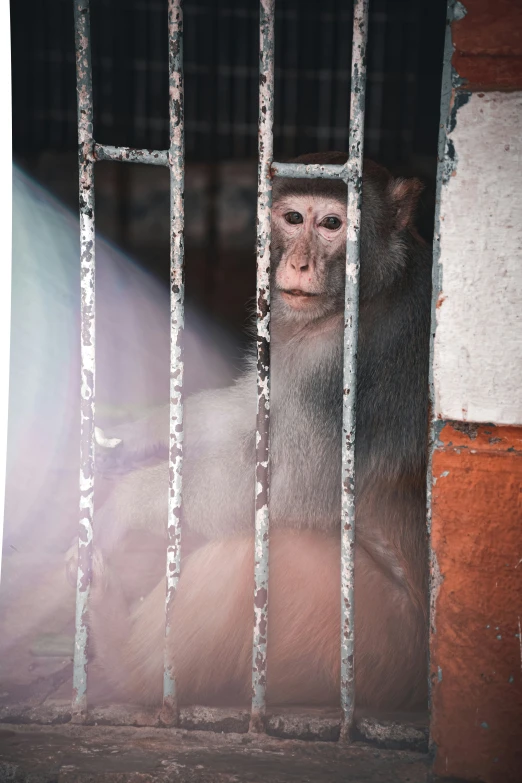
(294, 218)
(331, 223)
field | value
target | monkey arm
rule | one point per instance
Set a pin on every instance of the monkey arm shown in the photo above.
(121, 448)
(124, 447)
(218, 474)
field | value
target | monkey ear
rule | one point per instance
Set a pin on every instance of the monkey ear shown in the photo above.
(404, 195)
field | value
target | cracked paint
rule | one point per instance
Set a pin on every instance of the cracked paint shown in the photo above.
(87, 332)
(351, 324)
(476, 595)
(264, 234)
(129, 155)
(176, 158)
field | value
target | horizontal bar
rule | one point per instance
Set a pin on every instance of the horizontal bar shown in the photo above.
(311, 171)
(130, 155)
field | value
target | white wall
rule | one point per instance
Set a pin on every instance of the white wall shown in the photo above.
(478, 340)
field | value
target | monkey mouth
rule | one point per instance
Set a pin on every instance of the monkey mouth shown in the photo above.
(298, 299)
(297, 292)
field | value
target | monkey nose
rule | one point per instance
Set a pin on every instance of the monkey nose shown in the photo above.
(300, 265)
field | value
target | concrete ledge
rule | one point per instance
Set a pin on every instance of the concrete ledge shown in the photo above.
(396, 731)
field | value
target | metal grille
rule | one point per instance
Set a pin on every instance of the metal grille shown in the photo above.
(173, 158)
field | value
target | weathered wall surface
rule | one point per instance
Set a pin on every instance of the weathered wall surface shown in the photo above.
(478, 345)
(476, 510)
(487, 43)
(476, 649)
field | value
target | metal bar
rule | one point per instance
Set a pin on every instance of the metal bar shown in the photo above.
(86, 181)
(264, 233)
(130, 155)
(351, 326)
(176, 165)
(310, 171)
(435, 424)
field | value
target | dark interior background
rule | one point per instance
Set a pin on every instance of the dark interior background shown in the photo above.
(313, 53)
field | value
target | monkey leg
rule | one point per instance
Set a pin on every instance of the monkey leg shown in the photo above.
(213, 616)
(390, 639)
(212, 629)
(208, 606)
(212, 633)
(137, 562)
(109, 621)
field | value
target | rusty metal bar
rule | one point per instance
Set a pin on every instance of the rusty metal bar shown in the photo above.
(176, 162)
(264, 233)
(130, 155)
(351, 326)
(310, 171)
(86, 181)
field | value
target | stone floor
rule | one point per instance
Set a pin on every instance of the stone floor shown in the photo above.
(103, 754)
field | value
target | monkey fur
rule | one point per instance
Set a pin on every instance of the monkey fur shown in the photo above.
(211, 637)
(213, 605)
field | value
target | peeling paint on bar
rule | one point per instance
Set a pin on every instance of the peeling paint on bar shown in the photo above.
(446, 165)
(310, 171)
(86, 182)
(264, 233)
(170, 712)
(351, 324)
(130, 155)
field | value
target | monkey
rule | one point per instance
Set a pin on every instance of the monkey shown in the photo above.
(308, 273)
(306, 377)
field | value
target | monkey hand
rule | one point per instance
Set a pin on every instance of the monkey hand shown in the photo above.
(127, 446)
(71, 564)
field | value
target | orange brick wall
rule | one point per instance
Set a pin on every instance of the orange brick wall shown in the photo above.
(476, 649)
(488, 45)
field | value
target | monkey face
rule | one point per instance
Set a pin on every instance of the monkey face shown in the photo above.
(309, 238)
(309, 245)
